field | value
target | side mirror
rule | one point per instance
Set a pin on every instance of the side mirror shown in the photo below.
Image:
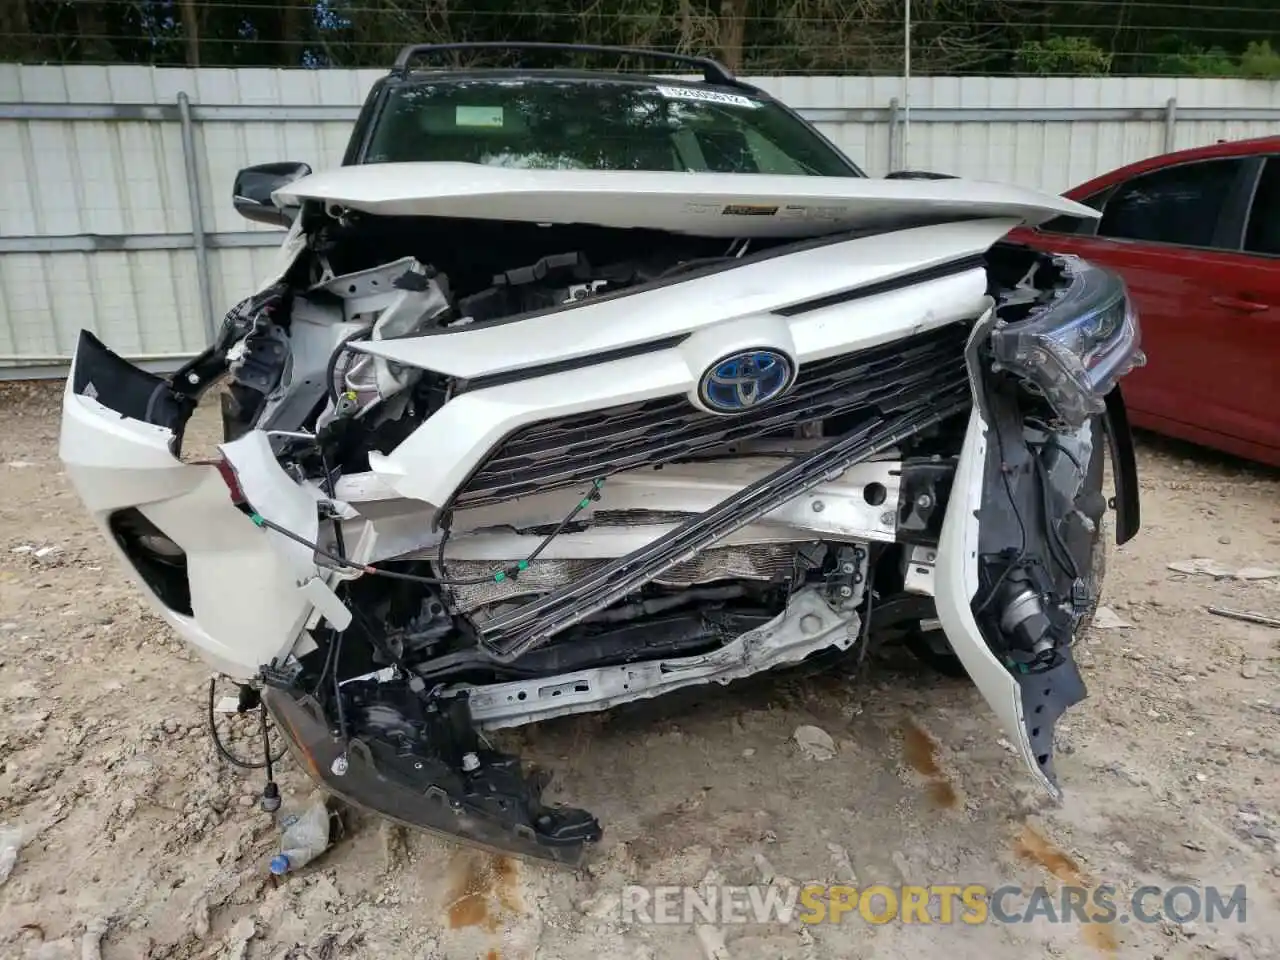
(254, 185)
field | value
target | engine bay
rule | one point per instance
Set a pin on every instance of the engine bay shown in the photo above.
(436, 283)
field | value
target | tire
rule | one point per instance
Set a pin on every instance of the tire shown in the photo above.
(932, 649)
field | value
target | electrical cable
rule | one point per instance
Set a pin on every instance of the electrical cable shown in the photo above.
(512, 572)
(445, 525)
(1055, 445)
(865, 633)
(329, 487)
(337, 687)
(324, 670)
(592, 494)
(262, 521)
(266, 742)
(1051, 440)
(225, 753)
(1022, 527)
(1054, 537)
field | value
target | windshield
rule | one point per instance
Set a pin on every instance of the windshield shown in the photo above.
(597, 125)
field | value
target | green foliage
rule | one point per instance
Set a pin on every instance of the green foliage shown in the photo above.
(1174, 56)
(1178, 58)
(1260, 61)
(1073, 56)
(761, 37)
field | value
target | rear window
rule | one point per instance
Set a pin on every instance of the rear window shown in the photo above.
(596, 125)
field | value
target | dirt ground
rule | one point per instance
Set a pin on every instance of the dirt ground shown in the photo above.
(138, 841)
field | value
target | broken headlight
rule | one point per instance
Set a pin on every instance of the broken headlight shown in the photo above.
(1074, 349)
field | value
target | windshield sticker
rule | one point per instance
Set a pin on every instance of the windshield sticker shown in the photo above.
(707, 96)
(748, 210)
(478, 116)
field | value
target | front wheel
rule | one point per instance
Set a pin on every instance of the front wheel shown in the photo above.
(928, 644)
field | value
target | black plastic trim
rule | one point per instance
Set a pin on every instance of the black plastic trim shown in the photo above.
(924, 490)
(165, 575)
(1124, 468)
(563, 366)
(937, 272)
(447, 802)
(1046, 696)
(604, 441)
(129, 390)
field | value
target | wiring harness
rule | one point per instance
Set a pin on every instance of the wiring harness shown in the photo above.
(510, 572)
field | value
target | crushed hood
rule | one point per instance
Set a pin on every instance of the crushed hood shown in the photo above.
(701, 204)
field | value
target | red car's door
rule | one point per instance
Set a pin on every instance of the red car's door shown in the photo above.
(1208, 307)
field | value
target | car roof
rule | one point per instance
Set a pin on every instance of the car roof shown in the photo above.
(713, 71)
(534, 75)
(1224, 149)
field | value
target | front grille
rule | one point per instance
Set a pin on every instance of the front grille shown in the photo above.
(579, 448)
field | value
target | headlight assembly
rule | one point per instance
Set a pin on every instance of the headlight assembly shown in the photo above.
(1074, 349)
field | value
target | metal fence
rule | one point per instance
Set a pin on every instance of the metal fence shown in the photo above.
(115, 210)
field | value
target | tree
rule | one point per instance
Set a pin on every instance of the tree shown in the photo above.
(191, 31)
(1074, 56)
(1260, 62)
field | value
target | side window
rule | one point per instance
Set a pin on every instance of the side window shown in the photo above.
(1177, 205)
(1263, 235)
(1077, 225)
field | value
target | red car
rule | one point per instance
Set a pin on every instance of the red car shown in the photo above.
(1196, 235)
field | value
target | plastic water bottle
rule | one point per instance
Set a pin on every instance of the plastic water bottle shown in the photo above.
(307, 834)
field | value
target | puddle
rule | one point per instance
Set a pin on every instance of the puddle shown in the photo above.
(484, 888)
(920, 751)
(1034, 847)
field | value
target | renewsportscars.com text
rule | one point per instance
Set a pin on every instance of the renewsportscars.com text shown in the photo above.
(971, 904)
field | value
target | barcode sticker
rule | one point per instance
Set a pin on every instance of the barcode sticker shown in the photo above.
(706, 96)
(478, 116)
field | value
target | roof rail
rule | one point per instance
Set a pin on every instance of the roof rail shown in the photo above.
(712, 71)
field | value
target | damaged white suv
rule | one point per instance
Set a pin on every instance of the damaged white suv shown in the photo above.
(575, 388)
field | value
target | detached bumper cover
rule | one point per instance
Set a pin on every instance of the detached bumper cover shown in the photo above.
(241, 601)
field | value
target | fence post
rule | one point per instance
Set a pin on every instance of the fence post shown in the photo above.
(894, 121)
(1170, 124)
(198, 237)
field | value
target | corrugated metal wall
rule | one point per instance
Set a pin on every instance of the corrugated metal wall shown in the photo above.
(79, 176)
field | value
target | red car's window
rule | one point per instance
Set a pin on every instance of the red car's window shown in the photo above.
(1263, 235)
(1177, 205)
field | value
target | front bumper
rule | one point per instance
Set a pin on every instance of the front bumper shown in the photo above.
(233, 590)
(956, 585)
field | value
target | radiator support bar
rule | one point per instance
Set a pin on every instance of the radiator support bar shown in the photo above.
(533, 624)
